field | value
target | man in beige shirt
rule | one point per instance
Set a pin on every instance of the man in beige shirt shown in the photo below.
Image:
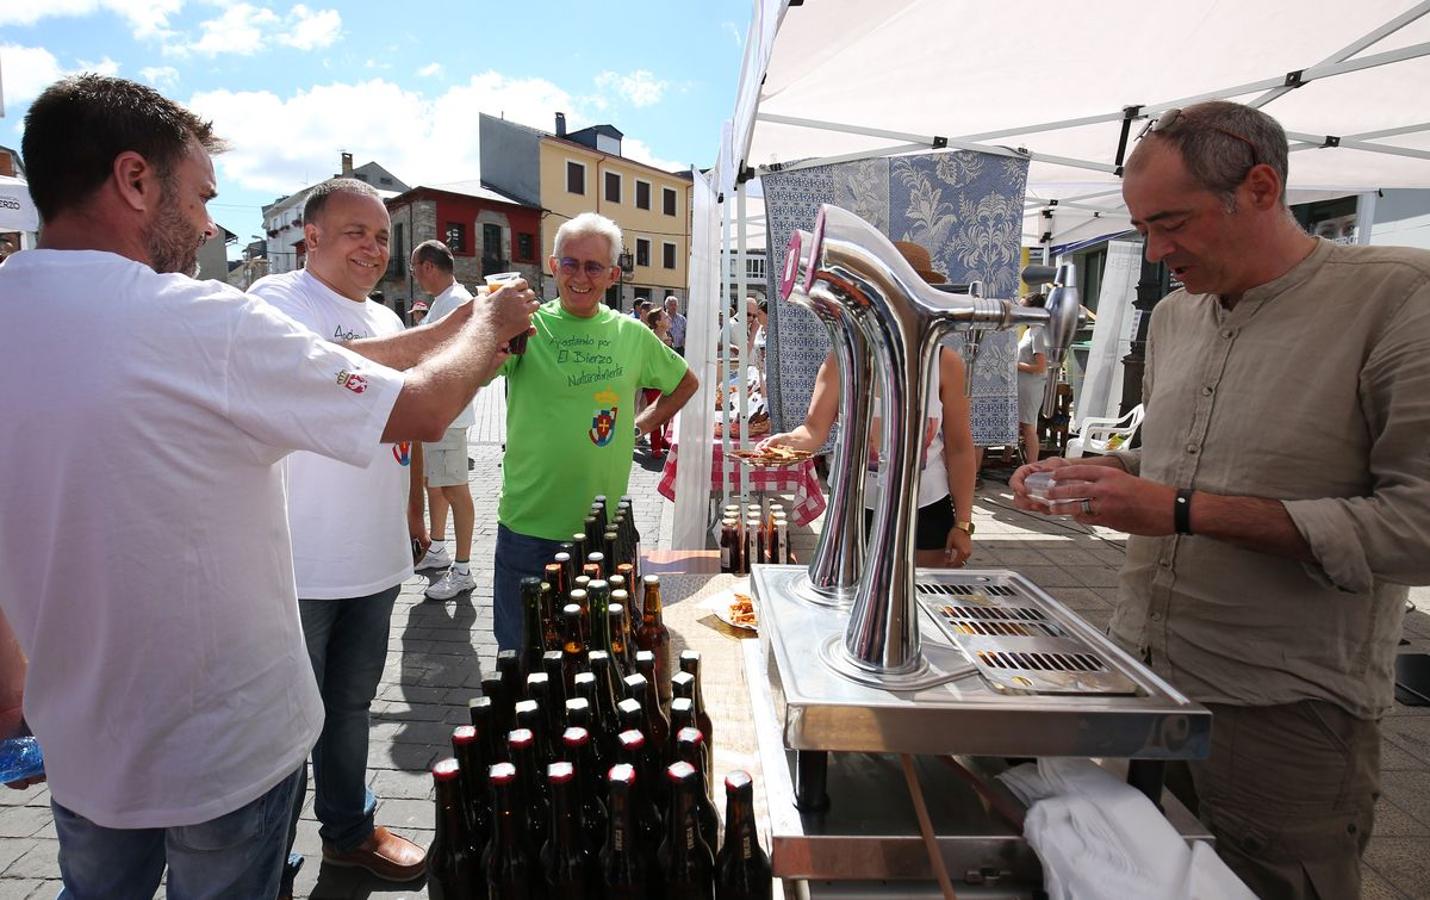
(1280, 502)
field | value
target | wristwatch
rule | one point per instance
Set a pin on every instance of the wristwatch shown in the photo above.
(964, 527)
(638, 432)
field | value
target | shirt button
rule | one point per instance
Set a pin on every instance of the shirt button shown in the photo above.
(1228, 333)
(1207, 390)
(1165, 563)
(1192, 449)
(1156, 617)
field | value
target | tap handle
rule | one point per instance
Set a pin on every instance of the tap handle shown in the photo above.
(1035, 275)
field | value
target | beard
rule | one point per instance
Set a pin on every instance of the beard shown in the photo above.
(171, 242)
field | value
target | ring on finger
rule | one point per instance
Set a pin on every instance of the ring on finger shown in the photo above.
(1087, 507)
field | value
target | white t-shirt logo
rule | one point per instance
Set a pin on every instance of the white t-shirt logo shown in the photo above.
(352, 381)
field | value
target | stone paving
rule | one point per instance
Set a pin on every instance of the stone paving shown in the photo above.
(438, 651)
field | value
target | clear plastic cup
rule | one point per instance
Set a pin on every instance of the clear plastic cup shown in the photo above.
(1039, 483)
(517, 345)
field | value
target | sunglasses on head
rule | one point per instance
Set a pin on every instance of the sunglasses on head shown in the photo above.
(592, 268)
(1172, 119)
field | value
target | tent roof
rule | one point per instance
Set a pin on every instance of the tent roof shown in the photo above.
(986, 74)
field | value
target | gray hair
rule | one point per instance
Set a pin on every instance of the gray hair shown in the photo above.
(318, 196)
(1219, 141)
(593, 224)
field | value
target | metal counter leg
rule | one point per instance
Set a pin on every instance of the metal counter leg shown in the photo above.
(1148, 775)
(811, 773)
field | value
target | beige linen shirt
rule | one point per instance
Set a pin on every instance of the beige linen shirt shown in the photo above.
(1313, 390)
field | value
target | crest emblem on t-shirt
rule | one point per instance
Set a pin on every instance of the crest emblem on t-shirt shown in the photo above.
(402, 452)
(352, 381)
(603, 420)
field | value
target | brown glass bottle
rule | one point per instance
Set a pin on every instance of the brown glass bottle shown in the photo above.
(598, 559)
(651, 791)
(480, 711)
(615, 631)
(625, 871)
(581, 549)
(467, 750)
(742, 869)
(690, 664)
(530, 717)
(533, 632)
(653, 635)
(453, 867)
(502, 716)
(551, 664)
(512, 676)
(536, 805)
(593, 533)
(573, 642)
(576, 749)
(729, 546)
(690, 748)
(682, 715)
(611, 546)
(569, 868)
(512, 868)
(603, 702)
(568, 573)
(625, 663)
(687, 865)
(538, 690)
(654, 723)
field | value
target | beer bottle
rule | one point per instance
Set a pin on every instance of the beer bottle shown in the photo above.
(472, 784)
(578, 555)
(690, 665)
(645, 667)
(625, 874)
(521, 748)
(649, 796)
(582, 599)
(554, 574)
(653, 635)
(550, 628)
(598, 509)
(555, 673)
(453, 869)
(593, 536)
(577, 751)
(632, 714)
(627, 571)
(782, 539)
(742, 869)
(598, 559)
(655, 725)
(626, 662)
(538, 688)
(512, 676)
(687, 866)
(480, 711)
(592, 571)
(503, 717)
(511, 866)
(568, 867)
(615, 630)
(533, 632)
(573, 643)
(611, 546)
(729, 552)
(754, 541)
(690, 748)
(600, 601)
(530, 717)
(603, 702)
(682, 716)
(569, 572)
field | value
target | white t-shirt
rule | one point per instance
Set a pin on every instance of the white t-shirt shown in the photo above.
(442, 305)
(349, 524)
(144, 554)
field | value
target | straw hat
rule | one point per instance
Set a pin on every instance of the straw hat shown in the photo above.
(918, 257)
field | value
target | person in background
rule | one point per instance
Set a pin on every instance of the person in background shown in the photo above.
(147, 569)
(445, 462)
(943, 532)
(569, 430)
(1032, 381)
(677, 324)
(1280, 502)
(658, 322)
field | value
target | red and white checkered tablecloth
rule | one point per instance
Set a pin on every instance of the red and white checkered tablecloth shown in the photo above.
(799, 480)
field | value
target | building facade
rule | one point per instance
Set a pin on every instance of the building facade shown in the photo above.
(486, 230)
(283, 218)
(566, 174)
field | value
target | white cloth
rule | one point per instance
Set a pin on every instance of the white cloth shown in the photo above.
(144, 551)
(1102, 839)
(933, 474)
(442, 305)
(349, 523)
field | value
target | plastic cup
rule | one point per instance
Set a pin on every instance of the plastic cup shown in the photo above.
(517, 345)
(1039, 483)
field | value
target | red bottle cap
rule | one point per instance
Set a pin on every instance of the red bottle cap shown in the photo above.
(623, 773)
(464, 734)
(738, 780)
(520, 739)
(631, 739)
(678, 772)
(692, 735)
(575, 736)
(502, 773)
(445, 770)
(560, 772)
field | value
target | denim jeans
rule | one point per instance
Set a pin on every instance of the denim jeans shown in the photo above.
(517, 556)
(347, 644)
(238, 854)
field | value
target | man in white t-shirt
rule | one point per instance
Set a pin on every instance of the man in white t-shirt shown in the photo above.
(445, 462)
(145, 562)
(351, 549)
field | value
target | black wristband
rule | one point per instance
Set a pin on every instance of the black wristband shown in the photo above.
(1182, 511)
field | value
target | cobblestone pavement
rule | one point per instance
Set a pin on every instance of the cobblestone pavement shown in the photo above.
(438, 651)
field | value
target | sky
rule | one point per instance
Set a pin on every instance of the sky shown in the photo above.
(292, 85)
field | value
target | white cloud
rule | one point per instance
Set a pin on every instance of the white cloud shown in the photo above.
(105, 66)
(734, 31)
(162, 77)
(639, 150)
(639, 88)
(309, 30)
(27, 71)
(431, 70)
(146, 18)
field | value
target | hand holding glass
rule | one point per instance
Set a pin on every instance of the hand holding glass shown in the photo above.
(517, 345)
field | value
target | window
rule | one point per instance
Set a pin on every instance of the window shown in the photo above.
(383, 179)
(613, 187)
(397, 262)
(525, 247)
(642, 194)
(457, 237)
(642, 252)
(755, 268)
(491, 241)
(667, 255)
(641, 293)
(575, 178)
(667, 200)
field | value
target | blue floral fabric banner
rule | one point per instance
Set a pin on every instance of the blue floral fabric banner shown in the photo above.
(965, 208)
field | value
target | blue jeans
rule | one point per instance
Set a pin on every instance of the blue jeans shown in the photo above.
(347, 644)
(238, 854)
(517, 556)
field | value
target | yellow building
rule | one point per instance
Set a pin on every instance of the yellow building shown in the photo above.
(584, 171)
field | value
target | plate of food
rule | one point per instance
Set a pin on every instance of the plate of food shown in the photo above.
(736, 608)
(772, 457)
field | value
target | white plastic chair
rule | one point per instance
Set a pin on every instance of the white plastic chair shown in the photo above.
(1100, 435)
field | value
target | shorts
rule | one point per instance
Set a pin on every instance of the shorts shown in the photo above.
(444, 464)
(1030, 398)
(931, 528)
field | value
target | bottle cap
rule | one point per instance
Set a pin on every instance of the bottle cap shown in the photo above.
(560, 772)
(575, 737)
(502, 773)
(445, 770)
(520, 739)
(463, 734)
(679, 772)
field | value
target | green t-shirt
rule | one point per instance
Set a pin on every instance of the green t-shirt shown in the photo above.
(571, 402)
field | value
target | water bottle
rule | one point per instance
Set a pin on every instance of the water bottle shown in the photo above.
(20, 758)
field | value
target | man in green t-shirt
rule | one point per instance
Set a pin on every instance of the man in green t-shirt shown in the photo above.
(570, 403)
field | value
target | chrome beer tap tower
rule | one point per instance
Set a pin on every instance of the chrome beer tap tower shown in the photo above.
(861, 653)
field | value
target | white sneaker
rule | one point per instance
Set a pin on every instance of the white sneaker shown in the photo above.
(451, 584)
(435, 558)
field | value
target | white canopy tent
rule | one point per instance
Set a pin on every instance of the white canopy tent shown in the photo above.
(831, 80)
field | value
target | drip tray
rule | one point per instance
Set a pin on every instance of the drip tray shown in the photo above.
(1014, 644)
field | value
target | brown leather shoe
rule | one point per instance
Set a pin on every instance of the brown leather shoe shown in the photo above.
(384, 854)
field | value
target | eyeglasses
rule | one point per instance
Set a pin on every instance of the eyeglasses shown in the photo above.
(1169, 120)
(592, 268)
